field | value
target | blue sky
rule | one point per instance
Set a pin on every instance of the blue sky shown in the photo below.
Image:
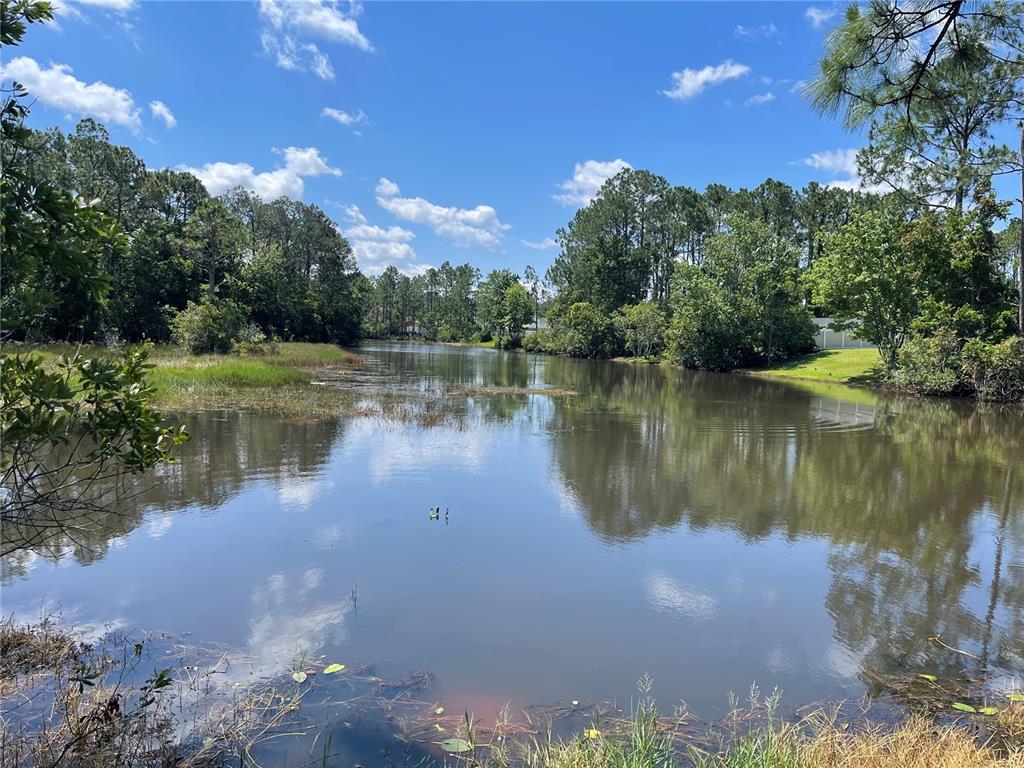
(461, 131)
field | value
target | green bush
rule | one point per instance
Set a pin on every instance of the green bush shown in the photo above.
(706, 331)
(542, 340)
(929, 365)
(207, 327)
(251, 340)
(995, 371)
(579, 330)
(448, 334)
(582, 331)
(642, 327)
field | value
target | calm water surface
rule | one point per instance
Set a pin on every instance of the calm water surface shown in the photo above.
(709, 530)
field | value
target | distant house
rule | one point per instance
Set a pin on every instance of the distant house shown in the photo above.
(826, 338)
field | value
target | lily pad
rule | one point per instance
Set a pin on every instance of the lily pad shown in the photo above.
(456, 745)
(929, 678)
(330, 669)
(299, 677)
(593, 733)
(988, 710)
(963, 707)
(1015, 696)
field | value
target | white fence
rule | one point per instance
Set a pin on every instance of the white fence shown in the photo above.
(826, 338)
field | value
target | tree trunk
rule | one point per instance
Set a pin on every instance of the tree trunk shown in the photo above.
(1020, 252)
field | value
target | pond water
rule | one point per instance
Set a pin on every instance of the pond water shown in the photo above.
(708, 530)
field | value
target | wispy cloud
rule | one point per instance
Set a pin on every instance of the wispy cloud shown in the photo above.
(691, 82)
(819, 16)
(543, 245)
(345, 118)
(759, 99)
(163, 112)
(288, 25)
(763, 32)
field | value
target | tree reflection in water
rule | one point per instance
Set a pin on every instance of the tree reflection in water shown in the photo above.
(920, 502)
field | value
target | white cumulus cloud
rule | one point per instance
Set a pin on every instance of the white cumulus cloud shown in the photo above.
(162, 111)
(57, 87)
(377, 248)
(287, 25)
(691, 82)
(587, 179)
(219, 177)
(464, 226)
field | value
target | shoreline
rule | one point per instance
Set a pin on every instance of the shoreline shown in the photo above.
(921, 720)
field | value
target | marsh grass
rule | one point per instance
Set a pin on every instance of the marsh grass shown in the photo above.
(291, 378)
(66, 701)
(751, 736)
(25, 650)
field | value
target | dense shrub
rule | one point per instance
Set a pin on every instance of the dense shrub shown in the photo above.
(706, 332)
(642, 328)
(586, 332)
(209, 326)
(995, 371)
(929, 365)
(251, 340)
(579, 330)
(542, 340)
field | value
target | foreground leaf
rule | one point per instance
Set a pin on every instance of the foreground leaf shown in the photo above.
(330, 669)
(455, 745)
(964, 707)
(988, 710)
(929, 678)
(299, 677)
(1015, 696)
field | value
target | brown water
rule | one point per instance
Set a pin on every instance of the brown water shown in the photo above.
(709, 530)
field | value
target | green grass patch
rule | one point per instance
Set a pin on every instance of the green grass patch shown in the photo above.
(231, 371)
(283, 380)
(841, 366)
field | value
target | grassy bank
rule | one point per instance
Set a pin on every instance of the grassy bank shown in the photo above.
(837, 366)
(818, 741)
(287, 379)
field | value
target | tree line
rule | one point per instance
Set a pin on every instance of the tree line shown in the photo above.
(714, 279)
(168, 247)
